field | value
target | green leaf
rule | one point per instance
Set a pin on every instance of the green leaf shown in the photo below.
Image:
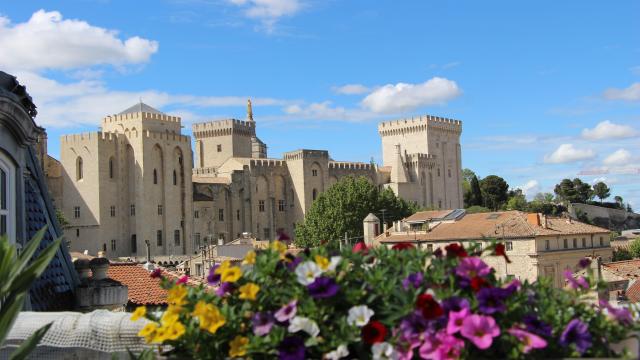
(23, 259)
(28, 345)
(8, 315)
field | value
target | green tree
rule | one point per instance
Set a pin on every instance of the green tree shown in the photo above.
(634, 248)
(573, 191)
(601, 190)
(62, 221)
(342, 208)
(517, 201)
(621, 254)
(544, 197)
(475, 198)
(494, 191)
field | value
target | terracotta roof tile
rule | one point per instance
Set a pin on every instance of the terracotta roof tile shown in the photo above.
(633, 292)
(143, 289)
(628, 269)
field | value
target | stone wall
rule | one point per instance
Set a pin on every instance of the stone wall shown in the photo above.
(612, 219)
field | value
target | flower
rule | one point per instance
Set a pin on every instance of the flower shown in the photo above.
(176, 295)
(430, 308)
(403, 246)
(140, 312)
(238, 346)
(169, 318)
(230, 274)
(455, 303)
(500, 250)
(291, 348)
(183, 279)
(584, 263)
(414, 279)
(174, 330)
(262, 323)
(382, 350)
(478, 283)
(412, 326)
(359, 315)
(512, 287)
(480, 330)
(536, 326)
(323, 287)
(156, 273)
(322, 262)
(287, 312)
(279, 247)
(576, 333)
(360, 247)
(491, 300)
(374, 332)
(249, 258)
(209, 317)
(622, 315)
(455, 250)
(148, 331)
(340, 352)
(224, 288)
(249, 291)
(471, 267)
(305, 324)
(292, 261)
(307, 272)
(529, 340)
(456, 319)
(214, 277)
(580, 283)
(441, 346)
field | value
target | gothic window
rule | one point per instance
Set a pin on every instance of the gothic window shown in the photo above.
(220, 214)
(175, 178)
(449, 172)
(314, 194)
(575, 243)
(438, 171)
(196, 214)
(261, 205)
(281, 205)
(196, 239)
(104, 247)
(601, 241)
(155, 176)
(584, 242)
(176, 237)
(134, 244)
(267, 233)
(237, 214)
(159, 237)
(566, 243)
(111, 168)
(76, 212)
(77, 232)
(314, 172)
(439, 204)
(132, 210)
(79, 170)
(113, 245)
(112, 211)
(7, 202)
(160, 209)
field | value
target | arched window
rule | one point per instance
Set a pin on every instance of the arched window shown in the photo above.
(175, 178)
(438, 171)
(134, 244)
(314, 194)
(7, 200)
(111, 168)
(79, 168)
(155, 176)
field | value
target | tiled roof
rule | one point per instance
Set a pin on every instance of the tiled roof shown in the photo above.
(633, 292)
(505, 224)
(426, 215)
(628, 269)
(143, 289)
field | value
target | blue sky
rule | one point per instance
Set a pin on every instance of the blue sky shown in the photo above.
(545, 89)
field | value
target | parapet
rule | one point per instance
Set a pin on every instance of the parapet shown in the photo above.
(88, 137)
(172, 136)
(223, 127)
(349, 165)
(267, 163)
(419, 123)
(306, 154)
(138, 116)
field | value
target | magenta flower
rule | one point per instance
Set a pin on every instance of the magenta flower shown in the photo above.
(456, 318)
(579, 283)
(529, 341)
(455, 303)
(471, 267)
(323, 287)
(287, 312)
(622, 315)
(480, 330)
(441, 346)
(262, 323)
(576, 333)
(182, 280)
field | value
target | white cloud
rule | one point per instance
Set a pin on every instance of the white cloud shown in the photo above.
(566, 153)
(608, 130)
(47, 41)
(404, 97)
(326, 111)
(530, 188)
(268, 11)
(631, 93)
(351, 89)
(619, 157)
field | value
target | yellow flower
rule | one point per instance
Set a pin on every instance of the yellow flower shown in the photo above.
(280, 247)
(169, 318)
(174, 331)
(322, 262)
(225, 265)
(250, 258)
(148, 331)
(231, 274)
(249, 291)
(176, 295)
(173, 309)
(238, 346)
(160, 335)
(209, 316)
(140, 312)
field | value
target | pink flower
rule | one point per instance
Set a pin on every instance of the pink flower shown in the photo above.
(456, 318)
(480, 330)
(529, 340)
(441, 346)
(182, 280)
(579, 283)
(471, 267)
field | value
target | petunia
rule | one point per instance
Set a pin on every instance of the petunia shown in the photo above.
(441, 346)
(455, 303)
(382, 350)
(455, 250)
(287, 312)
(430, 308)
(491, 300)
(471, 267)
(584, 263)
(480, 330)
(535, 325)
(214, 277)
(374, 332)
(403, 246)
(576, 333)
(224, 288)
(307, 272)
(529, 340)
(359, 315)
(500, 250)
(360, 247)
(580, 283)
(512, 287)
(182, 280)
(262, 323)
(292, 262)
(292, 348)
(307, 325)
(456, 318)
(340, 352)
(323, 287)
(413, 280)
(156, 273)
(412, 327)
(478, 283)
(622, 315)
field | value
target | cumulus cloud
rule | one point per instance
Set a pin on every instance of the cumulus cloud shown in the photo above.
(608, 130)
(268, 11)
(618, 157)
(402, 97)
(631, 93)
(567, 153)
(351, 89)
(326, 111)
(530, 188)
(47, 41)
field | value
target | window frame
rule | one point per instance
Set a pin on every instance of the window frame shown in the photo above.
(10, 197)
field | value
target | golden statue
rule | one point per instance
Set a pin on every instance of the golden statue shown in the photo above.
(249, 110)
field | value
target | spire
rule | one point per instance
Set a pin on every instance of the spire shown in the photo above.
(249, 110)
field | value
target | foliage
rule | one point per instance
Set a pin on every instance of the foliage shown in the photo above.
(621, 254)
(17, 273)
(475, 197)
(401, 303)
(543, 197)
(494, 191)
(582, 216)
(342, 208)
(634, 248)
(62, 220)
(573, 191)
(477, 209)
(517, 201)
(601, 190)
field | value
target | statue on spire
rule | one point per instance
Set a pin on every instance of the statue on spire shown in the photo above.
(249, 110)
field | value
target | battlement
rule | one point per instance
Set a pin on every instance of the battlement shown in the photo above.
(420, 156)
(420, 123)
(267, 163)
(306, 154)
(205, 171)
(140, 116)
(169, 136)
(223, 127)
(349, 165)
(88, 137)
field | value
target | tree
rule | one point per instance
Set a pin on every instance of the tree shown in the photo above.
(341, 209)
(618, 200)
(634, 248)
(517, 201)
(601, 190)
(629, 209)
(621, 254)
(573, 191)
(62, 221)
(494, 191)
(544, 197)
(475, 198)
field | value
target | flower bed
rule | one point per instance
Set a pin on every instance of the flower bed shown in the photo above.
(399, 303)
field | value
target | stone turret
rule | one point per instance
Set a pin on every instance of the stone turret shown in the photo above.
(398, 170)
(371, 228)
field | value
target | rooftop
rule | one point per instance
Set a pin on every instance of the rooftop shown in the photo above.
(141, 107)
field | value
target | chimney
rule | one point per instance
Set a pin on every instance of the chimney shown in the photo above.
(545, 223)
(533, 219)
(384, 228)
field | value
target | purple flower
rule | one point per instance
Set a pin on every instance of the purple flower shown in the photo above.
(584, 263)
(293, 263)
(491, 300)
(622, 315)
(323, 287)
(414, 280)
(224, 289)
(471, 267)
(262, 323)
(287, 312)
(576, 333)
(412, 326)
(291, 348)
(455, 303)
(512, 287)
(537, 326)
(213, 278)
(579, 283)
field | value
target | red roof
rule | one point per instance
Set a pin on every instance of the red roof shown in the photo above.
(633, 292)
(143, 289)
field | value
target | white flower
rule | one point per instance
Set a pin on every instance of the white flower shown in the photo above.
(307, 272)
(333, 263)
(359, 315)
(339, 353)
(382, 350)
(305, 324)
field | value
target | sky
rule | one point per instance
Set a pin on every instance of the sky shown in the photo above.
(545, 89)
